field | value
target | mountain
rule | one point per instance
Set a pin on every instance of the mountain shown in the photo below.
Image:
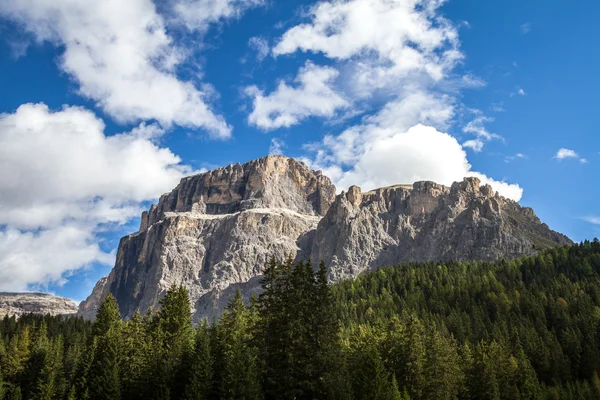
(215, 231)
(35, 303)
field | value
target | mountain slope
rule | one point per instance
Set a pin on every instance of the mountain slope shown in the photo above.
(215, 231)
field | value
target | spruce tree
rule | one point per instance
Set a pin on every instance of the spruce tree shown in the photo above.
(239, 379)
(2, 383)
(200, 365)
(371, 380)
(173, 339)
(103, 374)
(133, 360)
(442, 370)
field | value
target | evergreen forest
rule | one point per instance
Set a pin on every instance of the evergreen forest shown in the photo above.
(519, 329)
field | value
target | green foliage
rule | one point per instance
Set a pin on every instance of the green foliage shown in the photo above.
(239, 375)
(522, 329)
(200, 366)
(103, 373)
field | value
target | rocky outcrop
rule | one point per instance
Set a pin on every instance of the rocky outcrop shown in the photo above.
(215, 231)
(18, 304)
(425, 222)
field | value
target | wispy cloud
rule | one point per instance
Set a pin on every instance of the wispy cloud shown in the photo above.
(519, 91)
(592, 219)
(260, 46)
(478, 128)
(515, 157)
(525, 28)
(277, 146)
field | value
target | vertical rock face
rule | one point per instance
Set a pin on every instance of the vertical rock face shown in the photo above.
(423, 222)
(215, 231)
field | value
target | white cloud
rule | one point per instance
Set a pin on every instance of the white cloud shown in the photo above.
(526, 28)
(395, 147)
(277, 146)
(121, 56)
(403, 52)
(387, 40)
(592, 219)
(44, 257)
(477, 127)
(521, 92)
(563, 153)
(288, 105)
(515, 157)
(420, 153)
(260, 46)
(62, 178)
(497, 107)
(474, 144)
(197, 15)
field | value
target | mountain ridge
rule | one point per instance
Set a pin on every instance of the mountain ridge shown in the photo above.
(215, 232)
(17, 304)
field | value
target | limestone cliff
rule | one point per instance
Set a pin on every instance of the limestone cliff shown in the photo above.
(425, 222)
(215, 231)
(35, 303)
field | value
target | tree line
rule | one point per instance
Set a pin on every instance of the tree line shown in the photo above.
(520, 329)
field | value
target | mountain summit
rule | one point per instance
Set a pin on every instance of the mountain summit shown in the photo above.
(215, 231)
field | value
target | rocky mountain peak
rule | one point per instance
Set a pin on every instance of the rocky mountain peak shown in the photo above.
(216, 230)
(269, 182)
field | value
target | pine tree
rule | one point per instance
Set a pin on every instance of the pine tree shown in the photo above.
(2, 383)
(103, 375)
(172, 340)
(442, 370)
(371, 380)
(200, 364)
(328, 366)
(239, 378)
(133, 359)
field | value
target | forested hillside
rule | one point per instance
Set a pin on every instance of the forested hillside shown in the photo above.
(523, 329)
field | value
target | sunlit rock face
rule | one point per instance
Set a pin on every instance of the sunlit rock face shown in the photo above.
(425, 222)
(215, 232)
(18, 304)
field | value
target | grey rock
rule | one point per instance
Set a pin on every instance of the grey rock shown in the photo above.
(425, 222)
(18, 304)
(215, 232)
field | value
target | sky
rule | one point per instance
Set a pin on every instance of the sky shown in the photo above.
(106, 104)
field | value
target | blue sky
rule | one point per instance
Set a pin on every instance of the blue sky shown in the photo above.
(105, 105)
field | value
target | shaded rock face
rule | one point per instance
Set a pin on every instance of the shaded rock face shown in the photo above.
(215, 232)
(18, 304)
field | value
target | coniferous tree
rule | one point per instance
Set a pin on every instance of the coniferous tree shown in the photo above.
(239, 379)
(133, 360)
(2, 383)
(442, 371)
(200, 366)
(371, 378)
(103, 374)
(172, 337)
